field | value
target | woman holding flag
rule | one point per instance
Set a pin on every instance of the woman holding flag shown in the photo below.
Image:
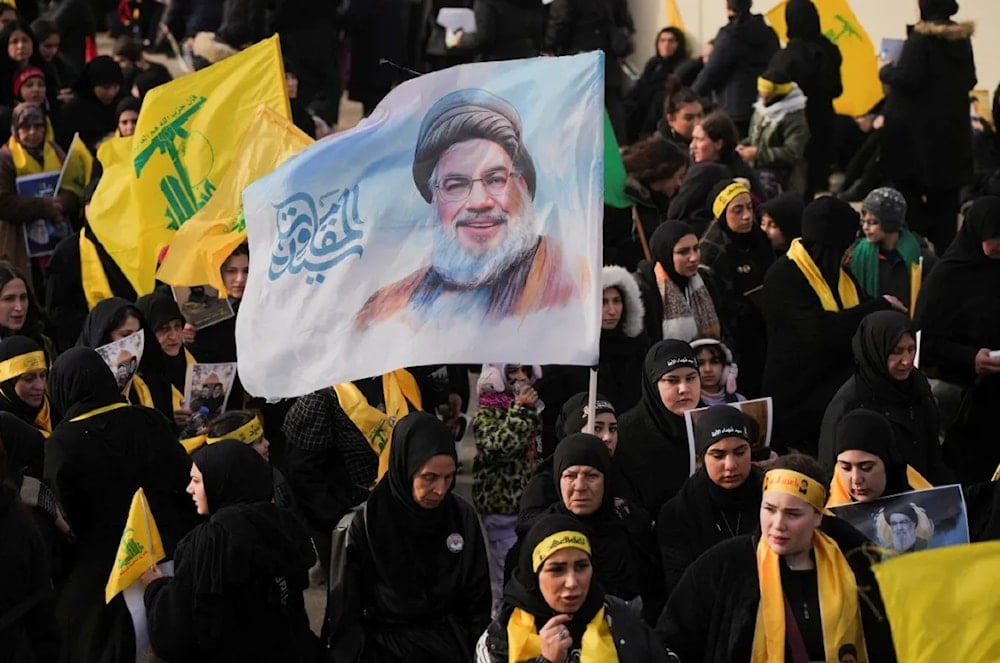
(800, 589)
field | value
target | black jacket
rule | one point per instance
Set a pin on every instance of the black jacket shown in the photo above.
(928, 138)
(808, 352)
(653, 318)
(509, 29)
(742, 50)
(577, 26)
(711, 616)
(634, 641)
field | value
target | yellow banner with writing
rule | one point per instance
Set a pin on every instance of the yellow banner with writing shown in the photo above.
(202, 245)
(859, 71)
(185, 140)
(139, 550)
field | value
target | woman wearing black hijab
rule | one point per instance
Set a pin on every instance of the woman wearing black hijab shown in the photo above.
(413, 581)
(91, 112)
(680, 297)
(236, 594)
(645, 100)
(720, 501)
(812, 307)
(781, 220)
(554, 608)
(100, 453)
(164, 357)
(959, 312)
(653, 447)
(23, 371)
(885, 381)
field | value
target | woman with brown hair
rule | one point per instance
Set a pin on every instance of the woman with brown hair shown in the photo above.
(714, 140)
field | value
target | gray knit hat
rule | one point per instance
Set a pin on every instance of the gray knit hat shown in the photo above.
(888, 206)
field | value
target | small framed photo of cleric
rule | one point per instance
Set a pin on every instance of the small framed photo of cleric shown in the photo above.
(201, 306)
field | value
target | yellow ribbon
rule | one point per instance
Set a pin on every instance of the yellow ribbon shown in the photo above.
(96, 287)
(840, 491)
(248, 433)
(765, 86)
(797, 484)
(43, 420)
(21, 364)
(845, 286)
(838, 603)
(916, 280)
(727, 196)
(556, 542)
(100, 410)
(523, 643)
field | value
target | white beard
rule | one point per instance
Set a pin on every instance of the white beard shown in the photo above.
(460, 267)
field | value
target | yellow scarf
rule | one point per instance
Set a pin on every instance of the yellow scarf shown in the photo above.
(840, 493)
(43, 420)
(100, 410)
(28, 165)
(400, 390)
(137, 392)
(916, 280)
(523, 643)
(177, 393)
(838, 603)
(95, 282)
(845, 287)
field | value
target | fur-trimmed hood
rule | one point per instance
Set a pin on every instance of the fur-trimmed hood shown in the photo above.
(949, 31)
(619, 277)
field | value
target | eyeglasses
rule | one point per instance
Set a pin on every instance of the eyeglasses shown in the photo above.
(455, 188)
(870, 221)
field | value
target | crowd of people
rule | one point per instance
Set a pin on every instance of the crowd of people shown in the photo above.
(594, 533)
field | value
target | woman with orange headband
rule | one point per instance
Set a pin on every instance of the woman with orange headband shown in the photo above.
(800, 589)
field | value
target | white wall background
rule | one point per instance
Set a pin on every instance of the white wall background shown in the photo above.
(882, 18)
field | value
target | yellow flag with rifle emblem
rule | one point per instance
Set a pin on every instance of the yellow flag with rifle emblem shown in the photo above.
(185, 140)
(139, 550)
(77, 168)
(202, 245)
(859, 71)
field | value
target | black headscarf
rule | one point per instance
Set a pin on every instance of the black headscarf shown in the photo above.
(157, 310)
(982, 222)
(802, 20)
(662, 243)
(692, 203)
(233, 473)
(523, 590)
(864, 430)
(573, 415)
(589, 450)
(23, 445)
(829, 227)
(663, 357)
(718, 423)
(874, 340)
(16, 346)
(97, 326)
(416, 439)
(80, 382)
(786, 210)
(937, 10)
(102, 70)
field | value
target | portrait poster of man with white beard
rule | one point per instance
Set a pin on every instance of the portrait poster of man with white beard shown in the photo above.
(489, 256)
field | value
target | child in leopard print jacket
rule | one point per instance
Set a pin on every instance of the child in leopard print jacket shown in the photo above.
(507, 431)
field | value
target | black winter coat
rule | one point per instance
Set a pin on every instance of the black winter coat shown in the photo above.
(928, 138)
(808, 353)
(577, 26)
(509, 29)
(742, 51)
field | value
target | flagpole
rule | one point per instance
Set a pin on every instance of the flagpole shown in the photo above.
(591, 402)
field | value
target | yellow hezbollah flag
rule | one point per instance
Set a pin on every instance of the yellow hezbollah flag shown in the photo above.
(859, 71)
(139, 550)
(184, 141)
(77, 168)
(202, 245)
(674, 16)
(942, 605)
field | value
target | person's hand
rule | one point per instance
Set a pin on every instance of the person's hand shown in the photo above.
(188, 333)
(528, 396)
(453, 39)
(556, 639)
(895, 303)
(747, 152)
(878, 122)
(149, 575)
(182, 416)
(986, 365)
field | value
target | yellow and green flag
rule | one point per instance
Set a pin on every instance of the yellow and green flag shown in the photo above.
(943, 604)
(185, 140)
(77, 168)
(203, 243)
(139, 550)
(859, 71)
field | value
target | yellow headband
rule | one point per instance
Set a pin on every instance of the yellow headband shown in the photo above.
(556, 542)
(765, 86)
(21, 364)
(726, 196)
(797, 484)
(248, 433)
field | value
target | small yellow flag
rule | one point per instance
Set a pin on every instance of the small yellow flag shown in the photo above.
(943, 604)
(77, 168)
(185, 139)
(139, 550)
(202, 245)
(674, 16)
(859, 71)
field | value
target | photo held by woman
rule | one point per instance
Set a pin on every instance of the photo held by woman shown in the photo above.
(499, 331)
